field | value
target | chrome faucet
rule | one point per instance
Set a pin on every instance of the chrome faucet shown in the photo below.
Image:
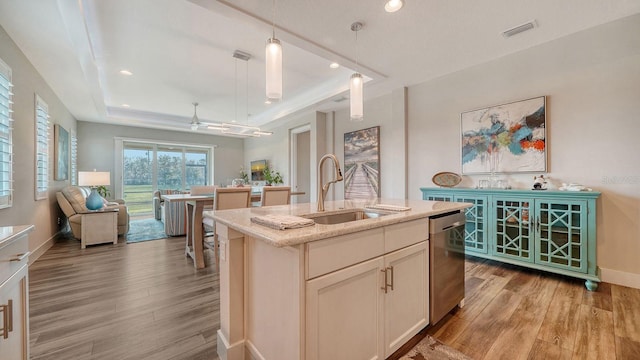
(323, 189)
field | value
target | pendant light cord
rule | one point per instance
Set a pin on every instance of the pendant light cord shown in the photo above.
(247, 94)
(273, 21)
(357, 65)
(235, 85)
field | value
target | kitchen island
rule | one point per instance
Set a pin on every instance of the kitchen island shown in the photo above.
(356, 289)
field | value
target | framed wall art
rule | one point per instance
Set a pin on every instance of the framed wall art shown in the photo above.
(61, 136)
(506, 138)
(362, 164)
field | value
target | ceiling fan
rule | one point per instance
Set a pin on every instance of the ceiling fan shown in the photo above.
(195, 122)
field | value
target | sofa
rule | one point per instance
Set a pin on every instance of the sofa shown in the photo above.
(72, 202)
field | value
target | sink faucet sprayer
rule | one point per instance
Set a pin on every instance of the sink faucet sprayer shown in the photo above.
(323, 189)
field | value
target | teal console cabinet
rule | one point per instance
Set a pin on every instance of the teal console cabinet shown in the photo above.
(547, 230)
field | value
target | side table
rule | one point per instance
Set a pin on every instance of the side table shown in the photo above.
(98, 227)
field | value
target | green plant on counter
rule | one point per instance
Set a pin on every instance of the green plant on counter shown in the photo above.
(244, 176)
(272, 177)
(103, 191)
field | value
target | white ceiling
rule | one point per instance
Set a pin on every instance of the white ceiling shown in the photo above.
(181, 51)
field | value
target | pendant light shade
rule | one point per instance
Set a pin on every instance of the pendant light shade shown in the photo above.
(356, 84)
(356, 95)
(273, 69)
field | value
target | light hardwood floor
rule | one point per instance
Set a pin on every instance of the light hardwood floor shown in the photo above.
(124, 301)
(146, 301)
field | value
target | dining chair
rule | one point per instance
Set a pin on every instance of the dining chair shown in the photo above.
(276, 195)
(224, 199)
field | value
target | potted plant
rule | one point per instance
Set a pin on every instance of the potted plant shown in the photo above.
(244, 176)
(272, 177)
(103, 191)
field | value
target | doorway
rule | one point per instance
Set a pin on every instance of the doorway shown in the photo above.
(300, 163)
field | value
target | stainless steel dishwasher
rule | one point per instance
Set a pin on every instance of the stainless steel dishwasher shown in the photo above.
(446, 264)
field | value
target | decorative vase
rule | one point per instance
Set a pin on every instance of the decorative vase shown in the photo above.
(94, 200)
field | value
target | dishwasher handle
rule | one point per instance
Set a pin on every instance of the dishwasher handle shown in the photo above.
(444, 223)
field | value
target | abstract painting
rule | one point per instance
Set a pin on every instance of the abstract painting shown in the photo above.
(61, 153)
(505, 138)
(362, 164)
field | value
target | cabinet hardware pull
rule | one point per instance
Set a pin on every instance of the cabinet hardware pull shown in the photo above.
(5, 321)
(20, 257)
(385, 280)
(391, 285)
(10, 315)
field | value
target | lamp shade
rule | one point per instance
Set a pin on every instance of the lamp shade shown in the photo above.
(94, 178)
(356, 95)
(273, 55)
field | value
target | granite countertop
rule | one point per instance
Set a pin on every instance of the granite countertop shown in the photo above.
(10, 233)
(240, 219)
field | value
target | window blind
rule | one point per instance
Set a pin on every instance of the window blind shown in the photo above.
(74, 158)
(42, 148)
(6, 135)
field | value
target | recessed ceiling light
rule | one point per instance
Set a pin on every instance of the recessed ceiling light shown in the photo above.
(334, 65)
(126, 72)
(393, 5)
(125, 105)
(267, 101)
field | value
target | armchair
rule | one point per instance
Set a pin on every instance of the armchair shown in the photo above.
(158, 201)
(72, 201)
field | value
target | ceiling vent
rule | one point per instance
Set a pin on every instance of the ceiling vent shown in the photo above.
(520, 28)
(238, 54)
(340, 99)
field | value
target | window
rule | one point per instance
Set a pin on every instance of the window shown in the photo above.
(6, 147)
(74, 158)
(42, 148)
(147, 167)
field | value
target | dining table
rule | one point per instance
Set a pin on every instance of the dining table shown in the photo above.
(194, 206)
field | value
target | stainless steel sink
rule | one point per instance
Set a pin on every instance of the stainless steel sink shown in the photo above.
(343, 217)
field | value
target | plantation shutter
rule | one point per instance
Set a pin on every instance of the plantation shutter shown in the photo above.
(6, 134)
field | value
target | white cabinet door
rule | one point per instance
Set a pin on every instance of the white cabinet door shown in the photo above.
(344, 313)
(13, 300)
(407, 304)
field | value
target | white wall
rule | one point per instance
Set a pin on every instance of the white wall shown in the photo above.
(25, 210)
(592, 83)
(388, 112)
(96, 147)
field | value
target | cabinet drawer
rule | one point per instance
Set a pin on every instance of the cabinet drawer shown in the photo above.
(325, 256)
(402, 235)
(16, 248)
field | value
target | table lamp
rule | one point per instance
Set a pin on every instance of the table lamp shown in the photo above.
(94, 179)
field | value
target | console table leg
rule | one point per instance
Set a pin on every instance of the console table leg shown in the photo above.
(591, 285)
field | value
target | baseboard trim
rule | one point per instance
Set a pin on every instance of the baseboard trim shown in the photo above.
(227, 351)
(252, 352)
(40, 250)
(620, 278)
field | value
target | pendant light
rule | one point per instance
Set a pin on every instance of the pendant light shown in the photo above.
(195, 122)
(356, 84)
(273, 61)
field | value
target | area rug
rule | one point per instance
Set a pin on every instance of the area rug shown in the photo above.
(432, 349)
(145, 230)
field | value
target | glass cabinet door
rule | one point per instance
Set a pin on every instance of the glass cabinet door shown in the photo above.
(438, 197)
(475, 237)
(561, 230)
(514, 237)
